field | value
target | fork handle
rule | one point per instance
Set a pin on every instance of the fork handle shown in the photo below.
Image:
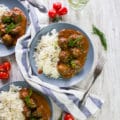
(87, 92)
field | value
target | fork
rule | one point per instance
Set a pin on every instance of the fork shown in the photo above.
(96, 73)
(35, 3)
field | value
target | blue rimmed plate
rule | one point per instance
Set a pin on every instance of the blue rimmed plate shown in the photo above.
(62, 82)
(4, 51)
(24, 84)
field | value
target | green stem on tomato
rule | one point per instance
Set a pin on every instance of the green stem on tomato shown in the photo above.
(60, 117)
(101, 35)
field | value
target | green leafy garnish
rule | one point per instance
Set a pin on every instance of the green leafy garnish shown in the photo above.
(10, 27)
(27, 98)
(60, 118)
(6, 19)
(72, 63)
(30, 92)
(101, 35)
(73, 42)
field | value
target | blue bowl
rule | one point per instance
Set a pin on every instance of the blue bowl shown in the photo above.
(61, 82)
(24, 84)
(4, 51)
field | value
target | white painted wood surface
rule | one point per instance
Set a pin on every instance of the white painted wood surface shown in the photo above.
(105, 14)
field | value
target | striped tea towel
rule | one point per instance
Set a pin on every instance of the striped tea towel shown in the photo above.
(67, 99)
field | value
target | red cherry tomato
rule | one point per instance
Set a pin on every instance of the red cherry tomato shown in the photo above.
(2, 68)
(62, 11)
(68, 116)
(7, 66)
(57, 6)
(40, 71)
(52, 13)
(4, 75)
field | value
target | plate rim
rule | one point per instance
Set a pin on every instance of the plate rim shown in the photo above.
(13, 47)
(24, 82)
(90, 42)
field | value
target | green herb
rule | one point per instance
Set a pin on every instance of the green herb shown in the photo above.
(73, 42)
(30, 92)
(6, 19)
(27, 98)
(72, 63)
(10, 27)
(60, 118)
(32, 118)
(101, 36)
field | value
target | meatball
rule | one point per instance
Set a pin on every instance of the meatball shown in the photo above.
(65, 70)
(63, 43)
(2, 29)
(76, 64)
(26, 112)
(75, 52)
(74, 40)
(64, 56)
(16, 30)
(7, 39)
(24, 92)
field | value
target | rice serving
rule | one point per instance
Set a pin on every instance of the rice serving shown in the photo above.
(3, 9)
(11, 106)
(47, 54)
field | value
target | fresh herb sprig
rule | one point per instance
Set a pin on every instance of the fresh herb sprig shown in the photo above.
(10, 27)
(60, 117)
(73, 42)
(27, 98)
(101, 35)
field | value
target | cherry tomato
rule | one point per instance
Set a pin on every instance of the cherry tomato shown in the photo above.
(40, 71)
(2, 68)
(7, 66)
(52, 13)
(4, 75)
(57, 6)
(68, 116)
(62, 11)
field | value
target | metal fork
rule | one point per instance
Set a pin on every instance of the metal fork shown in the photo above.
(96, 73)
(35, 3)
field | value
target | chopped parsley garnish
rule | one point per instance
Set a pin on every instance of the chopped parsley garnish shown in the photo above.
(72, 42)
(6, 19)
(10, 27)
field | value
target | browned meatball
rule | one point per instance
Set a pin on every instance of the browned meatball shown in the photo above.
(65, 70)
(63, 43)
(76, 53)
(24, 92)
(7, 39)
(76, 64)
(74, 40)
(26, 112)
(2, 29)
(64, 56)
(16, 30)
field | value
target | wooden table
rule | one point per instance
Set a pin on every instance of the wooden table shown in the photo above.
(105, 14)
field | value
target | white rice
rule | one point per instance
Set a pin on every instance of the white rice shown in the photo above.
(3, 9)
(11, 106)
(47, 54)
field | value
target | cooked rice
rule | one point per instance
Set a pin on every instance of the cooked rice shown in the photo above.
(11, 106)
(47, 54)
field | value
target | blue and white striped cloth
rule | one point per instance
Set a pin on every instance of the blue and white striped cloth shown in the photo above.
(66, 99)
